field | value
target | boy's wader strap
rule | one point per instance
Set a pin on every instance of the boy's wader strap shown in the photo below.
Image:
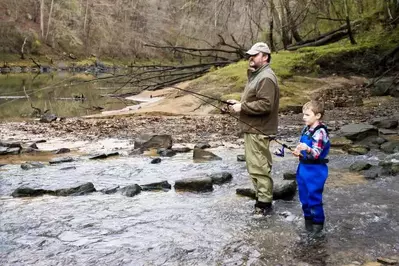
(313, 161)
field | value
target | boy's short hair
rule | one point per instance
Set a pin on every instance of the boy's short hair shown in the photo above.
(315, 106)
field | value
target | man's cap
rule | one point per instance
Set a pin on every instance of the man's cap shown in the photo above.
(257, 48)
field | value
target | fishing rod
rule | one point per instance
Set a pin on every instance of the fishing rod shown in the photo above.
(196, 94)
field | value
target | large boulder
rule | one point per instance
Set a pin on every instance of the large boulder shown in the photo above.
(76, 191)
(357, 132)
(199, 184)
(131, 191)
(383, 122)
(203, 155)
(221, 178)
(163, 185)
(29, 192)
(146, 142)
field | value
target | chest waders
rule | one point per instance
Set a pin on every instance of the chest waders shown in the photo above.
(311, 176)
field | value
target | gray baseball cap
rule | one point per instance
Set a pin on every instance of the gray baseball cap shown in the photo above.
(257, 48)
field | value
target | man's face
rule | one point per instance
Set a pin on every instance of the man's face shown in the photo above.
(257, 61)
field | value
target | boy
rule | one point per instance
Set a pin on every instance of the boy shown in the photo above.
(312, 170)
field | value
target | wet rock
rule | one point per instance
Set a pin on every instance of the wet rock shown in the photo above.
(62, 151)
(372, 142)
(181, 149)
(246, 192)
(289, 175)
(166, 152)
(76, 191)
(221, 178)
(164, 185)
(382, 87)
(13, 151)
(284, 190)
(156, 160)
(61, 160)
(372, 173)
(390, 147)
(387, 131)
(241, 158)
(48, 118)
(68, 168)
(388, 261)
(359, 166)
(131, 191)
(200, 154)
(340, 141)
(389, 168)
(31, 165)
(30, 150)
(357, 132)
(33, 146)
(29, 192)
(3, 150)
(202, 145)
(11, 144)
(104, 156)
(357, 149)
(41, 141)
(199, 184)
(383, 122)
(392, 157)
(145, 142)
(109, 190)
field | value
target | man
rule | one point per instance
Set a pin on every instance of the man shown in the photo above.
(258, 111)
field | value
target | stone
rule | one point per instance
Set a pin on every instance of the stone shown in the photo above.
(357, 132)
(289, 175)
(221, 178)
(109, 190)
(387, 261)
(31, 165)
(61, 160)
(202, 155)
(33, 146)
(28, 192)
(156, 160)
(340, 141)
(389, 168)
(48, 118)
(163, 185)
(382, 87)
(62, 151)
(372, 173)
(390, 147)
(181, 149)
(104, 156)
(76, 191)
(241, 158)
(131, 191)
(357, 149)
(199, 184)
(14, 151)
(202, 145)
(383, 122)
(283, 190)
(387, 132)
(166, 152)
(246, 192)
(359, 166)
(145, 142)
(68, 168)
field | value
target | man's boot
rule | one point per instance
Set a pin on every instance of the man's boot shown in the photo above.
(264, 208)
(317, 230)
(309, 224)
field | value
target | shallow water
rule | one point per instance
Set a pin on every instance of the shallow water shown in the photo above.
(182, 228)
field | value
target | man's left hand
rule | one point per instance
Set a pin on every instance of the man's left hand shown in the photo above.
(235, 108)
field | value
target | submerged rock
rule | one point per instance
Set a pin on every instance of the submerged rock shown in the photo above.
(163, 185)
(199, 184)
(221, 178)
(31, 165)
(130, 191)
(76, 191)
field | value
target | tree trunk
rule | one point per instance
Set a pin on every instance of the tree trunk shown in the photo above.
(348, 23)
(284, 27)
(85, 19)
(271, 26)
(292, 23)
(49, 18)
(22, 49)
(42, 17)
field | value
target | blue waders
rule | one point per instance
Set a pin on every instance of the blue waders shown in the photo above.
(311, 176)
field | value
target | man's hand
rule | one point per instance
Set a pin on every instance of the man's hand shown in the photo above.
(235, 107)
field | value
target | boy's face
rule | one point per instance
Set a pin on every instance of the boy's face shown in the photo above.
(309, 117)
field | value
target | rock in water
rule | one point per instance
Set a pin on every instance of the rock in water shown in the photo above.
(202, 145)
(221, 178)
(131, 191)
(202, 155)
(199, 184)
(145, 142)
(163, 185)
(76, 191)
(358, 132)
(61, 160)
(359, 166)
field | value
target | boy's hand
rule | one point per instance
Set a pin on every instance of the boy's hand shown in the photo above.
(302, 147)
(296, 153)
